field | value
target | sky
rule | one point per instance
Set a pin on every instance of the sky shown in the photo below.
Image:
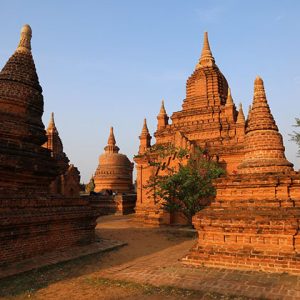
(110, 63)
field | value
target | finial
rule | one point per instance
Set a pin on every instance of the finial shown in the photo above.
(259, 90)
(25, 39)
(241, 116)
(51, 125)
(229, 100)
(111, 138)
(145, 130)
(52, 117)
(162, 108)
(206, 59)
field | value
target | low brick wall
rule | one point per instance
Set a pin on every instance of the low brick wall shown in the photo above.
(252, 224)
(30, 227)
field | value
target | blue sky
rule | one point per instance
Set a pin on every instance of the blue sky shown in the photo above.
(109, 63)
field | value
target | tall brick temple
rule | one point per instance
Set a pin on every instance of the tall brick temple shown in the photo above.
(208, 119)
(31, 221)
(253, 222)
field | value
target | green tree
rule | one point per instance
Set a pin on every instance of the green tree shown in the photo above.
(296, 135)
(187, 187)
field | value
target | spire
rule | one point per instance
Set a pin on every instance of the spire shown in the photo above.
(25, 39)
(145, 138)
(162, 108)
(162, 117)
(111, 143)
(264, 150)
(206, 59)
(54, 143)
(259, 91)
(20, 67)
(260, 114)
(145, 130)
(51, 126)
(241, 116)
(111, 139)
(229, 101)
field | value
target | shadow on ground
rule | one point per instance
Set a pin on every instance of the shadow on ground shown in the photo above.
(140, 242)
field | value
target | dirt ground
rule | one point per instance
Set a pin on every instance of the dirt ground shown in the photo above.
(83, 278)
(78, 279)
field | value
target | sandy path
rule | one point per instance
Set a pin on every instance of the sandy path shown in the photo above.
(75, 279)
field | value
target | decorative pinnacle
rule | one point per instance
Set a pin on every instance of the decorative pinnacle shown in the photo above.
(241, 116)
(259, 90)
(111, 138)
(229, 100)
(162, 108)
(25, 39)
(145, 130)
(206, 59)
(111, 143)
(51, 125)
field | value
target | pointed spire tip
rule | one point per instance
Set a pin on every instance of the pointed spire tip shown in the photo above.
(25, 39)
(206, 58)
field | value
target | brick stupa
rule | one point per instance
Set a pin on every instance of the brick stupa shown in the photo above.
(254, 221)
(208, 119)
(32, 222)
(114, 171)
(26, 168)
(67, 183)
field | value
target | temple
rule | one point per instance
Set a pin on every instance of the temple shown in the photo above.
(67, 183)
(114, 171)
(208, 119)
(31, 221)
(253, 223)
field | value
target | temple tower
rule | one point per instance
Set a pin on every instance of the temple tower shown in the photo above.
(162, 118)
(26, 167)
(207, 86)
(54, 144)
(145, 138)
(208, 119)
(67, 183)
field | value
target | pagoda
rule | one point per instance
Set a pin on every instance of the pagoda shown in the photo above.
(114, 172)
(208, 119)
(32, 221)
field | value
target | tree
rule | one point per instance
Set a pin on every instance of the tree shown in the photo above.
(187, 187)
(296, 135)
(89, 188)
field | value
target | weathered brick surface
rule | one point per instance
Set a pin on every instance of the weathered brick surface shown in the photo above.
(30, 227)
(208, 119)
(253, 223)
(31, 222)
(120, 204)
